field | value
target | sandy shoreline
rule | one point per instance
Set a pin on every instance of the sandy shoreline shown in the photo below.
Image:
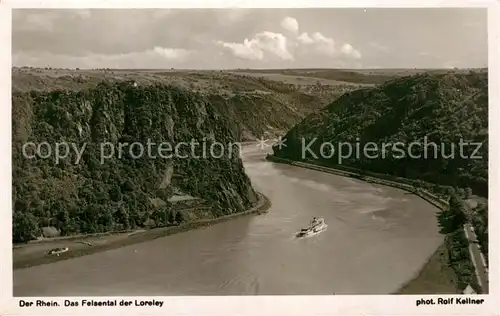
(33, 254)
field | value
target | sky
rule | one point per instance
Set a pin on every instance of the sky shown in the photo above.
(250, 38)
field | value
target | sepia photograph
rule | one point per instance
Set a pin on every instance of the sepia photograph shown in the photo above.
(249, 151)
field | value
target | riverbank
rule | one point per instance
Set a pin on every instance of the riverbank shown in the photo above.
(436, 276)
(35, 253)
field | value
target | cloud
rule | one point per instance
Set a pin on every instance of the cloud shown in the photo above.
(275, 44)
(320, 43)
(152, 58)
(320, 38)
(246, 50)
(157, 46)
(124, 33)
(263, 43)
(305, 39)
(348, 50)
(45, 20)
(172, 53)
(323, 45)
(290, 24)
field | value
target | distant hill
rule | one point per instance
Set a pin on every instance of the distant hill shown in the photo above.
(356, 76)
(442, 108)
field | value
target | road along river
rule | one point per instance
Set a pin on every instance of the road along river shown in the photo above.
(377, 238)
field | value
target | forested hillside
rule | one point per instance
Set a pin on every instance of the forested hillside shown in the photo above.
(124, 191)
(444, 109)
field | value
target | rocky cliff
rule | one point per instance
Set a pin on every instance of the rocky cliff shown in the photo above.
(95, 177)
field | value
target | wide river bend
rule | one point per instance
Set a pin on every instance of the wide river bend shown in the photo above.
(377, 238)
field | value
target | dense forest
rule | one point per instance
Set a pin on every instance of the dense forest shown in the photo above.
(480, 222)
(441, 109)
(451, 222)
(124, 191)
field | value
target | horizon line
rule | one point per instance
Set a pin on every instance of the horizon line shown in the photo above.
(265, 69)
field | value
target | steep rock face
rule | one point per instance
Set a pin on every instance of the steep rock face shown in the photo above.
(112, 187)
(254, 106)
(254, 116)
(444, 109)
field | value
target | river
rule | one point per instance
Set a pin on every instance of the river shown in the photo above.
(377, 238)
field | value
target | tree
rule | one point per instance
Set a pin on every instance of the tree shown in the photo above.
(24, 227)
(179, 218)
(454, 217)
(123, 218)
(63, 221)
(106, 218)
(115, 193)
(171, 216)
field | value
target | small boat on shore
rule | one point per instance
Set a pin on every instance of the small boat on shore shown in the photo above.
(58, 251)
(317, 226)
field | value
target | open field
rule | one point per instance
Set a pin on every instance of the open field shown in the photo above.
(198, 80)
(356, 76)
(209, 80)
(300, 79)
